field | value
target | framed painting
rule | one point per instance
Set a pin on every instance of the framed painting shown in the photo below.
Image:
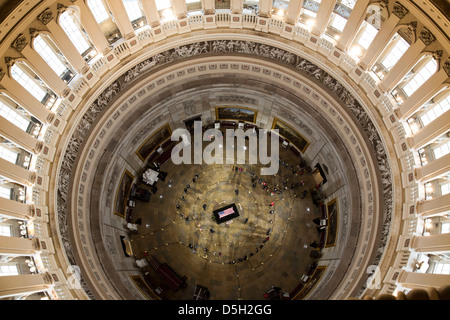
(290, 134)
(153, 142)
(332, 214)
(236, 114)
(122, 193)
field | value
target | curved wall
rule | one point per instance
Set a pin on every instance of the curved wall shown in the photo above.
(154, 65)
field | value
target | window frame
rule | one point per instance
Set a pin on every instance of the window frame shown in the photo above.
(75, 34)
(397, 39)
(421, 69)
(98, 10)
(30, 81)
(53, 56)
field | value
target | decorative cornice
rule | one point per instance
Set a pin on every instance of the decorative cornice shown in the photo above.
(399, 10)
(60, 7)
(9, 61)
(446, 67)
(19, 43)
(438, 55)
(46, 16)
(426, 36)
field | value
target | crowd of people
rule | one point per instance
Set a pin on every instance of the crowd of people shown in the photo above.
(286, 184)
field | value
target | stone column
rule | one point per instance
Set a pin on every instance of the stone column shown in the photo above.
(433, 207)
(92, 28)
(15, 210)
(63, 42)
(14, 246)
(379, 43)
(353, 25)
(293, 11)
(422, 95)
(323, 17)
(402, 67)
(208, 7)
(151, 13)
(24, 284)
(431, 243)
(291, 18)
(433, 169)
(153, 19)
(264, 13)
(19, 137)
(26, 100)
(121, 18)
(428, 133)
(16, 173)
(40, 66)
(416, 280)
(265, 8)
(236, 6)
(180, 11)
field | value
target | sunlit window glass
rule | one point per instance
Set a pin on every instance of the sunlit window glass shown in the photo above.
(98, 10)
(28, 83)
(73, 31)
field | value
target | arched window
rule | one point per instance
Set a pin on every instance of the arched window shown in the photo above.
(5, 192)
(14, 117)
(339, 17)
(9, 270)
(367, 35)
(397, 50)
(21, 75)
(8, 154)
(54, 58)
(338, 22)
(5, 231)
(442, 267)
(442, 149)
(445, 188)
(72, 28)
(435, 111)
(425, 69)
(98, 10)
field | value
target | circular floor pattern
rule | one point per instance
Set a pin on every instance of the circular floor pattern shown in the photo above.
(237, 260)
(242, 237)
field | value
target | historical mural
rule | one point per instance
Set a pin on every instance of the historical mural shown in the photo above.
(236, 114)
(122, 193)
(290, 134)
(153, 142)
(332, 225)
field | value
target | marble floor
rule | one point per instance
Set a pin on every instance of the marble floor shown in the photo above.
(266, 245)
